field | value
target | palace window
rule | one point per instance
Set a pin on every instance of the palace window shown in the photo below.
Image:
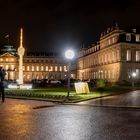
(12, 67)
(23, 68)
(33, 68)
(6, 67)
(28, 68)
(37, 68)
(51, 68)
(137, 38)
(12, 59)
(47, 68)
(60, 68)
(137, 72)
(128, 37)
(42, 68)
(55, 68)
(137, 55)
(128, 55)
(65, 68)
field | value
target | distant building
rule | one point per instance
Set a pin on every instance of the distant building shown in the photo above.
(36, 65)
(114, 57)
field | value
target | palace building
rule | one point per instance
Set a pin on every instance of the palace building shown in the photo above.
(36, 65)
(115, 57)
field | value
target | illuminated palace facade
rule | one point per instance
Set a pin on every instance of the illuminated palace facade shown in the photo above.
(36, 65)
(114, 57)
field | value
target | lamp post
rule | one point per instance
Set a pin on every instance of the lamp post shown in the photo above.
(69, 54)
(133, 78)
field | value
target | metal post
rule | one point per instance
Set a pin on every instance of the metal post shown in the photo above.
(68, 74)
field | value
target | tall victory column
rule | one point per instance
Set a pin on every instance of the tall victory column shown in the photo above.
(21, 51)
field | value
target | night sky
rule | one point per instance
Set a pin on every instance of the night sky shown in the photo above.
(53, 25)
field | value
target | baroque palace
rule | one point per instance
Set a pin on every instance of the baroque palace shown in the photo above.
(36, 65)
(115, 57)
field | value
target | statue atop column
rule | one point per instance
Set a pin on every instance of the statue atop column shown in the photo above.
(21, 51)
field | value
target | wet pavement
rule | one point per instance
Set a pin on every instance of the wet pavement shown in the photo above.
(38, 120)
(130, 99)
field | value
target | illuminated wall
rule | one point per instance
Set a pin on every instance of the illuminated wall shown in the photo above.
(114, 57)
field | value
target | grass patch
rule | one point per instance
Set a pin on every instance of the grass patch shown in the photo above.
(60, 93)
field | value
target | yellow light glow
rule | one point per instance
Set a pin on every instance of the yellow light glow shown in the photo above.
(12, 67)
(42, 68)
(65, 68)
(37, 68)
(33, 68)
(6, 67)
(28, 68)
(55, 68)
(47, 68)
(60, 68)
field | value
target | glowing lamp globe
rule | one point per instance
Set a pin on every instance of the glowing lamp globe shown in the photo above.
(134, 74)
(69, 54)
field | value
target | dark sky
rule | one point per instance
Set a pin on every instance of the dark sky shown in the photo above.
(52, 25)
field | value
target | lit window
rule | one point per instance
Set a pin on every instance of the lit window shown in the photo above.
(12, 67)
(137, 55)
(137, 38)
(47, 68)
(137, 72)
(55, 68)
(28, 77)
(128, 55)
(23, 67)
(113, 55)
(128, 37)
(28, 68)
(51, 68)
(37, 68)
(12, 59)
(33, 68)
(42, 68)
(60, 68)
(65, 68)
(1, 59)
(6, 67)
(6, 59)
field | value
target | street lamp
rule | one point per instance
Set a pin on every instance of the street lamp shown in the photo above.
(133, 78)
(69, 54)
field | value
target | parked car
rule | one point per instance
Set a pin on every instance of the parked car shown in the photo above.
(55, 82)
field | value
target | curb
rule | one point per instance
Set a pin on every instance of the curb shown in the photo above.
(28, 98)
(106, 106)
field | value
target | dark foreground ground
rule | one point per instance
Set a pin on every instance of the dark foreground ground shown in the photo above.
(34, 120)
